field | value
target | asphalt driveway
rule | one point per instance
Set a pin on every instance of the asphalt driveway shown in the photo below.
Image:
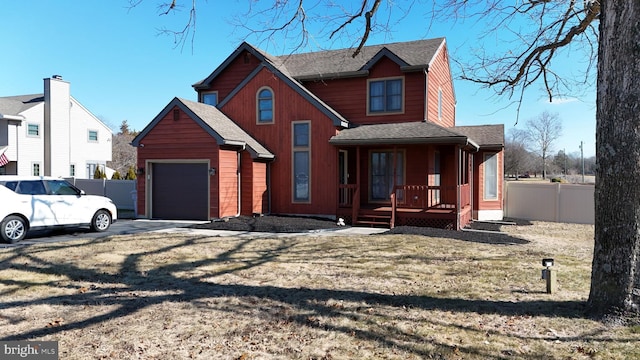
(120, 227)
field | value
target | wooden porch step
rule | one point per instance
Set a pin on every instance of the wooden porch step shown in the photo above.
(374, 220)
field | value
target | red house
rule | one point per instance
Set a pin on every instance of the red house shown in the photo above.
(370, 139)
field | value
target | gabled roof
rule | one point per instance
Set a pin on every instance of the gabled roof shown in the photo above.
(276, 67)
(486, 136)
(14, 105)
(416, 132)
(411, 55)
(215, 123)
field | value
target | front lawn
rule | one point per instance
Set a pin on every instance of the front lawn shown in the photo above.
(392, 296)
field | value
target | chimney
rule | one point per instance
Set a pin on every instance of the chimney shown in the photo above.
(57, 122)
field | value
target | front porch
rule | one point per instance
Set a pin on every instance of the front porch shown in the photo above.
(447, 207)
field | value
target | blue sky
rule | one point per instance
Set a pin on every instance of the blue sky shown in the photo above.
(120, 68)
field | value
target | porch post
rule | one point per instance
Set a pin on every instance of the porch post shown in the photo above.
(458, 179)
(355, 202)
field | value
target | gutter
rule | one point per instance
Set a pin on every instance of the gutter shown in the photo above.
(12, 117)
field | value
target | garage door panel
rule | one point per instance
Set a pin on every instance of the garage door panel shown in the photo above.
(180, 191)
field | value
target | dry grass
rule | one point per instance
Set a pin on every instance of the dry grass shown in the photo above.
(175, 296)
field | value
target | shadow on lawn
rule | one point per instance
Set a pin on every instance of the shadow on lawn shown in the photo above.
(110, 287)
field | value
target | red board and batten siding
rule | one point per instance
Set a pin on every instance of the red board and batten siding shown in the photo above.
(254, 186)
(289, 106)
(481, 203)
(178, 141)
(228, 183)
(235, 73)
(439, 78)
(349, 96)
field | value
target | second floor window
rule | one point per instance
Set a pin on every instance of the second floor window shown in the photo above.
(210, 98)
(33, 130)
(265, 106)
(93, 136)
(385, 96)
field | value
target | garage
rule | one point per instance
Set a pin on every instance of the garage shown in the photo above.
(180, 191)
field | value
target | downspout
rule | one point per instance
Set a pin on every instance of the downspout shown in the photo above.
(458, 178)
(471, 182)
(268, 188)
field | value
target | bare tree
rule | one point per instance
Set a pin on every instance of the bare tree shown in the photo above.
(124, 155)
(541, 133)
(517, 159)
(604, 28)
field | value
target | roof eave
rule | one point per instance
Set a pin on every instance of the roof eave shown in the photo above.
(391, 141)
(12, 117)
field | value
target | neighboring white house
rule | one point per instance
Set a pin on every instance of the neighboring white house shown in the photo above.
(51, 134)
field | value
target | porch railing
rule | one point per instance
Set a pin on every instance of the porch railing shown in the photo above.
(414, 196)
(424, 197)
(346, 194)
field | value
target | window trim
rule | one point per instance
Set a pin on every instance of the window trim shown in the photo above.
(486, 157)
(385, 112)
(89, 131)
(203, 94)
(273, 110)
(401, 152)
(38, 129)
(297, 149)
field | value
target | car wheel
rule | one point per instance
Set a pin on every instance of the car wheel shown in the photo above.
(101, 221)
(13, 229)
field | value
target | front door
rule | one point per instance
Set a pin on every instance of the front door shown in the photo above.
(382, 173)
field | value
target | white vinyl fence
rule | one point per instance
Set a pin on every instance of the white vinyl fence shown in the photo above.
(122, 192)
(556, 202)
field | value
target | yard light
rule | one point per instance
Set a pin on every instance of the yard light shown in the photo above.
(549, 274)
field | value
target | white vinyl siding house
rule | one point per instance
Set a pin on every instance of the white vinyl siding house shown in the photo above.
(63, 126)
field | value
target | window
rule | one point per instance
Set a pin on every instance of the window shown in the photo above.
(35, 169)
(382, 172)
(93, 136)
(210, 98)
(33, 130)
(491, 176)
(265, 106)
(385, 96)
(31, 188)
(72, 170)
(301, 161)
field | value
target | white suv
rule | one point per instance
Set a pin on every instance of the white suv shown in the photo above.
(38, 202)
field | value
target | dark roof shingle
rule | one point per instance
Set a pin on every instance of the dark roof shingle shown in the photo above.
(335, 63)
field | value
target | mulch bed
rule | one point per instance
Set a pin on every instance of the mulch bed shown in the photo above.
(270, 223)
